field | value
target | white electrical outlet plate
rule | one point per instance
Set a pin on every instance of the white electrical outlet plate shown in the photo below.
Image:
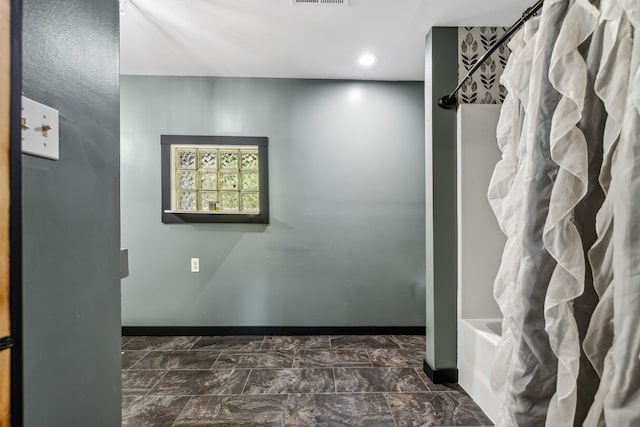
(40, 129)
(195, 265)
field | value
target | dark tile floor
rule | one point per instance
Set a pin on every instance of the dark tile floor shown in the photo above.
(286, 381)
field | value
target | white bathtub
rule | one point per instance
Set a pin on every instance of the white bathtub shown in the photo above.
(477, 345)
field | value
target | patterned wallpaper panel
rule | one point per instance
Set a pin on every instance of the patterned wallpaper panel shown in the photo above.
(484, 86)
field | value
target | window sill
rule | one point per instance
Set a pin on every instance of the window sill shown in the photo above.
(186, 217)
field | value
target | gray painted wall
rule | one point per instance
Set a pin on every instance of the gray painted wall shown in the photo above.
(441, 65)
(71, 217)
(346, 241)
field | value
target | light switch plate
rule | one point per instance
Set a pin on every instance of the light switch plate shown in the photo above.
(40, 129)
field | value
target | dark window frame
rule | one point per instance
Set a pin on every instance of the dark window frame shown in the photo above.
(167, 141)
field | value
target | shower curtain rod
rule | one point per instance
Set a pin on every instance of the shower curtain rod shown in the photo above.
(450, 101)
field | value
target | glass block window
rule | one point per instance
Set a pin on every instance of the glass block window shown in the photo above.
(216, 179)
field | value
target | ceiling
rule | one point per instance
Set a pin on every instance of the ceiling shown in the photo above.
(271, 38)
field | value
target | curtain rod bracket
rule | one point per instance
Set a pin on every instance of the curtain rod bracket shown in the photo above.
(448, 102)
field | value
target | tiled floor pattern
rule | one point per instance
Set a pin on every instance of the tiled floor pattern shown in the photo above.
(286, 381)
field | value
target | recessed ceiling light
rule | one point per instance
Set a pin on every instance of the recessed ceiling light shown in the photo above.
(367, 60)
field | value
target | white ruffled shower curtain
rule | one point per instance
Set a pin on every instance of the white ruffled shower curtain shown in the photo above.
(567, 196)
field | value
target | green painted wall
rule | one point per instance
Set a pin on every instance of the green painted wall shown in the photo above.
(345, 246)
(71, 218)
(441, 75)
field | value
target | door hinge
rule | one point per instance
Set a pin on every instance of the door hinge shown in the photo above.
(5, 343)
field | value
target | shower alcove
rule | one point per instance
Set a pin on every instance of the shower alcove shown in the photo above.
(480, 245)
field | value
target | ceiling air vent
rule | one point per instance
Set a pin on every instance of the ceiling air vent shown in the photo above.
(319, 2)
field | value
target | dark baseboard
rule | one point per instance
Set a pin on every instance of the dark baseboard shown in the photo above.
(270, 330)
(440, 376)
